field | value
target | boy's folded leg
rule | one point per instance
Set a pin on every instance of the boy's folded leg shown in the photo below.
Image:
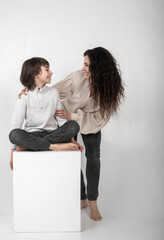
(25, 139)
(64, 133)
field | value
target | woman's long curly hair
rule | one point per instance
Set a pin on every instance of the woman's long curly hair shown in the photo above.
(105, 81)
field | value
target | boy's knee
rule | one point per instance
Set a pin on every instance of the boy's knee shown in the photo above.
(13, 135)
(74, 126)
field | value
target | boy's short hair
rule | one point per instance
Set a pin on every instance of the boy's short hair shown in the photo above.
(30, 69)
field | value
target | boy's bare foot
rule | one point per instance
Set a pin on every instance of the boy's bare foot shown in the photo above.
(20, 148)
(79, 146)
(63, 146)
(84, 203)
(94, 212)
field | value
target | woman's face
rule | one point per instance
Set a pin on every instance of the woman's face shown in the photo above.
(86, 67)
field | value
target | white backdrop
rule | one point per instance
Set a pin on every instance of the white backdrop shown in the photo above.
(60, 31)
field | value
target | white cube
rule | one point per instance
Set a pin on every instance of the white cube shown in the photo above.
(46, 191)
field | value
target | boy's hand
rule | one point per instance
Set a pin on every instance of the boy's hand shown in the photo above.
(63, 114)
(79, 146)
(23, 92)
(11, 160)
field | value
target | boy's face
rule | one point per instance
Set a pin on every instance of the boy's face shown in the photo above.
(43, 77)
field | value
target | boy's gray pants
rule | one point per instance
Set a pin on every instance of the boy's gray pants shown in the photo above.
(41, 140)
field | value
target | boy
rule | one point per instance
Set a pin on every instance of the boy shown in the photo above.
(43, 129)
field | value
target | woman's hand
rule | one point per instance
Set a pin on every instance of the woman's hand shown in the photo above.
(63, 114)
(79, 146)
(23, 92)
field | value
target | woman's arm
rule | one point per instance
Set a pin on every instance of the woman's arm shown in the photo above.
(89, 122)
(64, 87)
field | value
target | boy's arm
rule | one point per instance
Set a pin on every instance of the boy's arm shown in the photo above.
(11, 159)
(19, 114)
(60, 121)
(17, 121)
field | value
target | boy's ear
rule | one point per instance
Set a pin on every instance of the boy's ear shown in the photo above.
(35, 77)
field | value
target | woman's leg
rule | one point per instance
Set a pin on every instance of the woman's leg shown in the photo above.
(34, 141)
(83, 192)
(64, 133)
(92, 145)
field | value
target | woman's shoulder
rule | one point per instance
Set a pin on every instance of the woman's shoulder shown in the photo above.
(78, 77)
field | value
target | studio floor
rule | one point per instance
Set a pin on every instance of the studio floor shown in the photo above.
(108, 228)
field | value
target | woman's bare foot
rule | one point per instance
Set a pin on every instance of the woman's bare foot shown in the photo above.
(94, 212)
(63, 146)
(20, 148)
(84, 203)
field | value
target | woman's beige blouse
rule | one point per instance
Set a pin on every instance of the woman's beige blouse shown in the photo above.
(75, 93)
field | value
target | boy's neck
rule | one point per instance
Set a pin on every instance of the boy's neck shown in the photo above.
(40, 85)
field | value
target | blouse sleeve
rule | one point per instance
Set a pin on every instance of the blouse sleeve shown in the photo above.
(64, 87)
(88, 116)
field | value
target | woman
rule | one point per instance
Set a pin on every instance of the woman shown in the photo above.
(90, 97)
